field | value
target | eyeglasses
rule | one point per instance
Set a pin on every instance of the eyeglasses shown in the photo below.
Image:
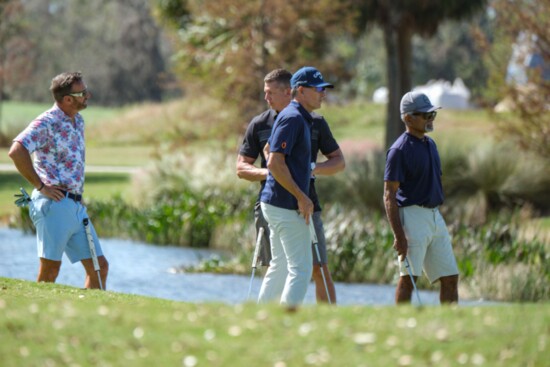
(83, 93)
(318, 89)
(426, 115)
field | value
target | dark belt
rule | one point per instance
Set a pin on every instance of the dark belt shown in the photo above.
(70, 195)
(428, 207)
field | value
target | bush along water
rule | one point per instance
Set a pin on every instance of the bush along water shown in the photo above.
(182, 218)
(495, 262)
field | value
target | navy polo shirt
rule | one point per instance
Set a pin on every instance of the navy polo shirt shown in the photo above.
(415, 164)
(291, 136)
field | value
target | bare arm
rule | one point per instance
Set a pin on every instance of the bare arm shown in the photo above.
(248, 171)
(266, 150)
(22, 160)
(400, 243)
(335, 163)
(278, 168)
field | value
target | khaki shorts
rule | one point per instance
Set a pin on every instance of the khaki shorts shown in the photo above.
(430, 247)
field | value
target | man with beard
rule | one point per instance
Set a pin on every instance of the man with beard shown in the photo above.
(56, 138)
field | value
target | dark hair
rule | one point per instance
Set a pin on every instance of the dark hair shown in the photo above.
(63, 83)
(280, 76)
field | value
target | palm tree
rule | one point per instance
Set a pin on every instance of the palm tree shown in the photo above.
(400, 20)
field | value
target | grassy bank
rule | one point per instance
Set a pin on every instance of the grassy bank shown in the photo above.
(54, 325)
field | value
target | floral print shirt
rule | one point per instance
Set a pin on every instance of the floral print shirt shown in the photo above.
(58, 147)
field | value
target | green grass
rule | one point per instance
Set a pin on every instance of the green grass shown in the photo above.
(356, 121)
(119, 155)
(54, 325)
(17, 115)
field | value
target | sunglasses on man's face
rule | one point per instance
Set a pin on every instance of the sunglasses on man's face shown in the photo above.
(426, 115)
(318, 89)
(83, 93)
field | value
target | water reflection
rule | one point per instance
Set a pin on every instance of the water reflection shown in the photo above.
(143, 269)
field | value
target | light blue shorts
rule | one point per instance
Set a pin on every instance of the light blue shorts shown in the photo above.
(430, 247)
(59, 228)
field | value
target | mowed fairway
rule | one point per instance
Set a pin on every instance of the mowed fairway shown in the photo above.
(54, 325)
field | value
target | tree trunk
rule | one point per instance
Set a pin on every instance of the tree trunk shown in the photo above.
(394, 126)
(404, 44)
(398, 42)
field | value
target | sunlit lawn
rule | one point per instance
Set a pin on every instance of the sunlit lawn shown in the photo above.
(17, 115)
(45, 324)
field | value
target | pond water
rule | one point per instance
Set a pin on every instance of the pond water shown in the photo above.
(148, 270)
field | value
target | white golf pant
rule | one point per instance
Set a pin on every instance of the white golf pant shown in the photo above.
(290, 269)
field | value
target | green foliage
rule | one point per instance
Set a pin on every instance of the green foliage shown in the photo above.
(361, 182)
(360, 248)
(520, 35)
(229, 46)
(491, 178)
(451, 53)
(174, 13)
(476, 182)
(182, 218)
(120, 52)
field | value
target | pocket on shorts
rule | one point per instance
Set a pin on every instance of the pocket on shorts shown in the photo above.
(39, 207)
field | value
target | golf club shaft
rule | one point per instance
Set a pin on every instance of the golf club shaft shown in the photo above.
(255, 259)
(92, 250)
(316, 247)
(408, 266)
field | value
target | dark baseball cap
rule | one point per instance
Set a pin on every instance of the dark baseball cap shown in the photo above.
(308, 76)
(416, 102)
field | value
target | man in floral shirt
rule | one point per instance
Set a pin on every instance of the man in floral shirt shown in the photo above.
(56, 138)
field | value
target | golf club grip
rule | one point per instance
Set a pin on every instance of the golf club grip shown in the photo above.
(257, 249)
(25, 194)
(312, 231)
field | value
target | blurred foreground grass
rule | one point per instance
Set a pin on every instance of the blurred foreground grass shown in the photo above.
(55, 325)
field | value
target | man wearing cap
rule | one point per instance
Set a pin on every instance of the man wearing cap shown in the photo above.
(412, 196)
(284, 200)
(278, 95)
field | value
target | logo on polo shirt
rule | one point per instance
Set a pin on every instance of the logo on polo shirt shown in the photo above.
(283, 145)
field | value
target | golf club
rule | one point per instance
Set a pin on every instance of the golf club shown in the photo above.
(316, 247)
(86, 223)
(23, 199)
(255, 259)
(407, 265)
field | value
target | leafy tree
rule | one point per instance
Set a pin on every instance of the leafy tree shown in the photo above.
(14, 49)
(525, 24)
(229, 45)
(400, 20)
(116, 44)
(452, 53)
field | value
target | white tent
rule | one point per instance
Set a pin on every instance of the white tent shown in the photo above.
(441, 93)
